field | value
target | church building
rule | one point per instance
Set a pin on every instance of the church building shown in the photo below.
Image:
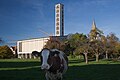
(25, 47)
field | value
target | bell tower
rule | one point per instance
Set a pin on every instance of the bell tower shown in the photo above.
(59, 20)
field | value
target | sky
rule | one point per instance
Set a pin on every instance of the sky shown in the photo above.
(24, 19)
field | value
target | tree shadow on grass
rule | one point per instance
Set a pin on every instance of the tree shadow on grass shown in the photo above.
(21, 71)
(18, 64)
(32, 71)
(94, 72)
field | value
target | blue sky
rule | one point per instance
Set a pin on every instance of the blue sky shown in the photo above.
(23, 19)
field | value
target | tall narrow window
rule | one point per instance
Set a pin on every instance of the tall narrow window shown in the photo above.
(57, 23)
(20, 46)
(57, 32)
(57, 11)
(57, 28)
(57, 19)
(57, 15)
(57, 6)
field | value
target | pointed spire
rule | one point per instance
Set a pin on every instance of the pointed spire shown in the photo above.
(95, 28)
(94, 25)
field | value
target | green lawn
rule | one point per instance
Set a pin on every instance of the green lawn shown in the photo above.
(16, 69)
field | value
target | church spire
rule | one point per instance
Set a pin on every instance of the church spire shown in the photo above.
(94, 25)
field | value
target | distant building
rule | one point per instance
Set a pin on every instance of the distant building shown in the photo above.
(25, 47)
(59, 20)
(95, 32)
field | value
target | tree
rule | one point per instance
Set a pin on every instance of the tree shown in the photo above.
(96, 48)
(67, 48)
(5, 52)
(76, 40)
(118, 49)
(113, 42)
(95, 40)
(81, 44)
(106, 46)
(110, 45)
(84, 49)
(53, 43)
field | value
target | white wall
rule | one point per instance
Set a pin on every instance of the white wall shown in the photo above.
(31, 45)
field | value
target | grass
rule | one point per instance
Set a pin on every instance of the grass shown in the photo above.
(16, 69)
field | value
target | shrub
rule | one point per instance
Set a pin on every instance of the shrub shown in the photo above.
(6, 52)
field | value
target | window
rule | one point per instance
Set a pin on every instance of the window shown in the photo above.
(57, 11)
(57, 7)
(57, 15)
(57, 24)
(57, 28)
(20, 46)
(57, 32)
(57, 19)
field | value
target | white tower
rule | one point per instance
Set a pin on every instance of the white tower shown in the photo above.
(59, 20)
